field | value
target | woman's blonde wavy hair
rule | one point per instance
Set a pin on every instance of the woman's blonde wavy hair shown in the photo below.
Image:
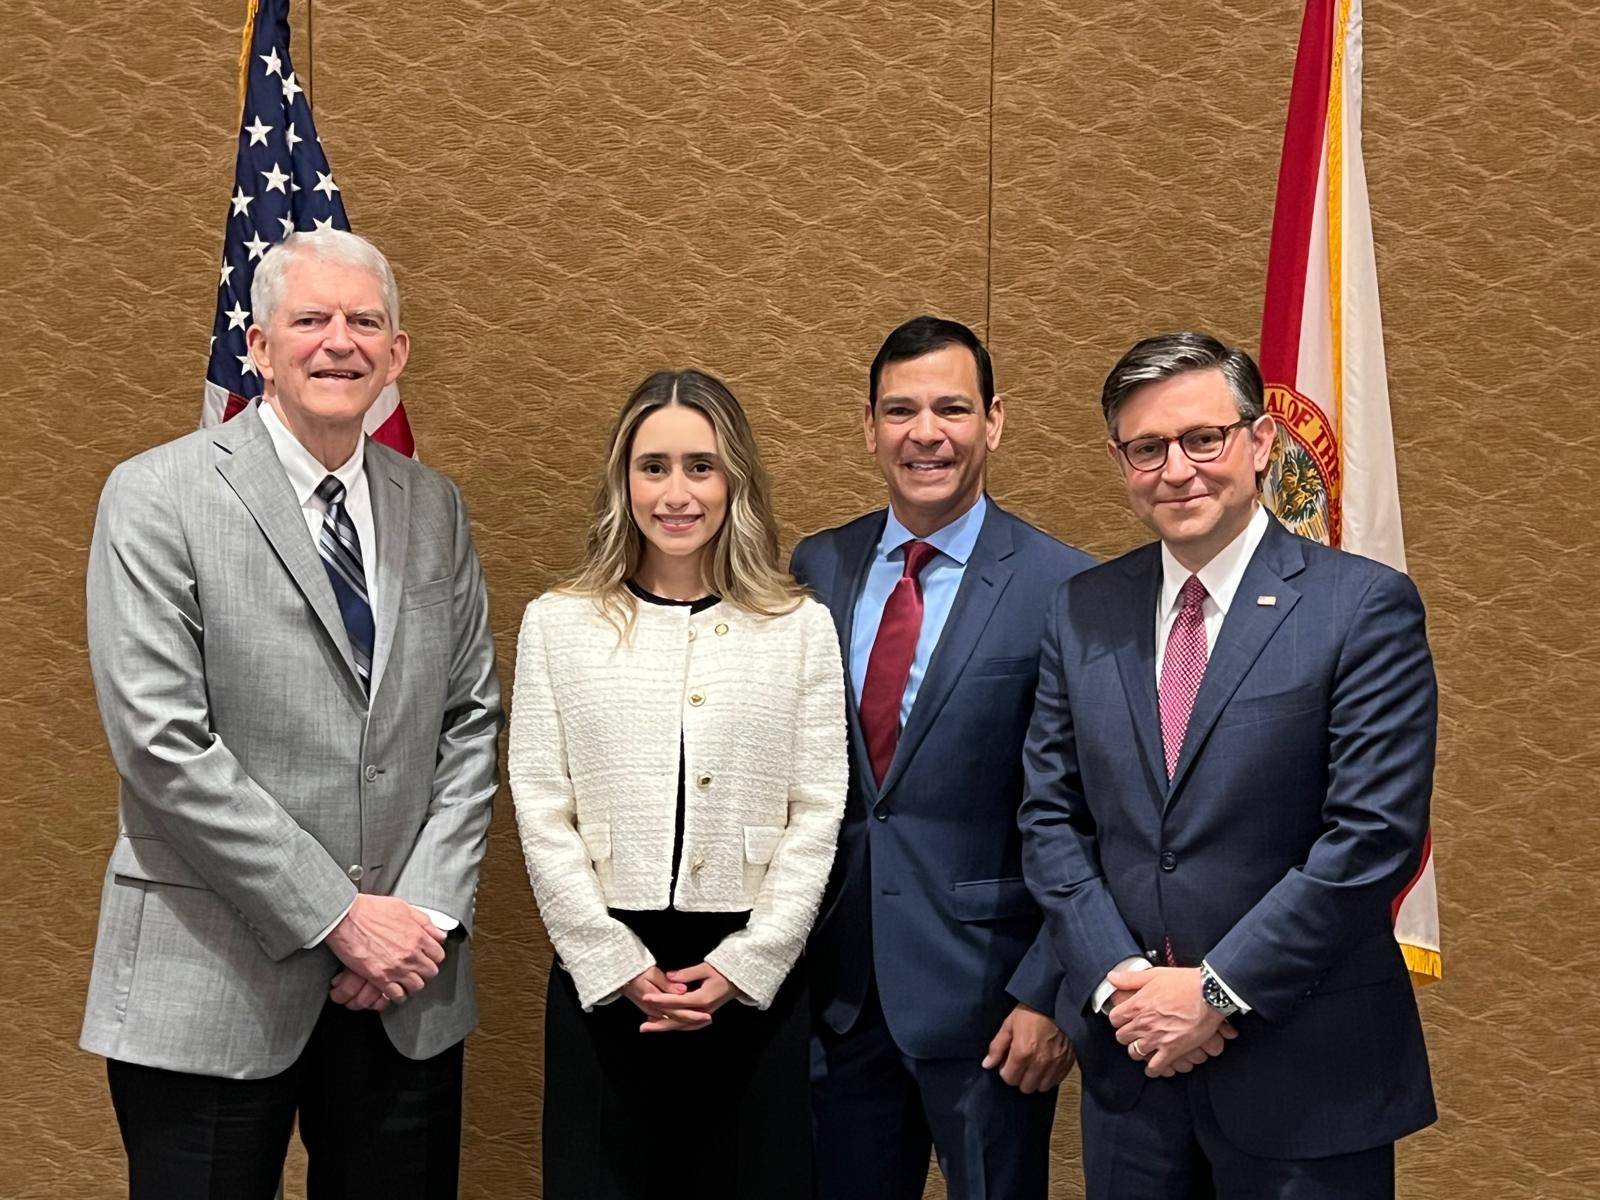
(742, 566)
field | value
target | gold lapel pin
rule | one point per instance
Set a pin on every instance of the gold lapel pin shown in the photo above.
(1266, 601)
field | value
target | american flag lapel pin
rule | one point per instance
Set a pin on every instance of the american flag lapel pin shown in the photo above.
(1266, 601)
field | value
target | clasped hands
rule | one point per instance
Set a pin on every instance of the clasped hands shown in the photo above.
(389, 950)
(1162, 1018)
(675, 1001)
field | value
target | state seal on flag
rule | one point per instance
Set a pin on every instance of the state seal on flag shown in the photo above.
(1302, 480)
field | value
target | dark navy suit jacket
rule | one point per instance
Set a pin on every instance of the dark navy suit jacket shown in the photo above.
(926, 893)
(1295, 816)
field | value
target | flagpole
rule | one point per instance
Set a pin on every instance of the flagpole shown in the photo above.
(311, 53)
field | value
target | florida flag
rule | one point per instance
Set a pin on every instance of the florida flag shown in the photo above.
(1332, 475)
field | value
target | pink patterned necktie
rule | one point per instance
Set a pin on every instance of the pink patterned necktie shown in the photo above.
(1182, 668)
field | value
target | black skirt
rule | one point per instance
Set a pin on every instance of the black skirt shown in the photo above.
(720, 1112)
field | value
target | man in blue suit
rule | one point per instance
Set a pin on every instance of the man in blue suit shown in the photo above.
(932, 978)
(1228, 779)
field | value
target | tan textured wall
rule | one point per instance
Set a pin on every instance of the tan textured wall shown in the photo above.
(574, 195)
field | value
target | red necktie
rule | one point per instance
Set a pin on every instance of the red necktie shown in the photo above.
(889, 665)
(1182, 668)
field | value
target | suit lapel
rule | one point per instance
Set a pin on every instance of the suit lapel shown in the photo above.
(1245, 633)
(982, 584)
(391, 522)
(250, 465)
(1136, 659)
(854, 560)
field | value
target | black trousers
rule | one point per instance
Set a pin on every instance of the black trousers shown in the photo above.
(374, 1123)
(717, 1113)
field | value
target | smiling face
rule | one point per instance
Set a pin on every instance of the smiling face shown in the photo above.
(677, 488)
(1195, 508)
(328, 350)
(931, 436)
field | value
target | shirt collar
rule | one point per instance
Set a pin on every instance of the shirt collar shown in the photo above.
(1223, 574)
(954, 540)
(302, 467)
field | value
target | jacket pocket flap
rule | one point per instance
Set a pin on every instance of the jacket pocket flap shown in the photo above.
(990, 667)
(153, 860)
(596, 837)
(760, 841)
(1376, 961)
(992, 900)
(421, 595)
(1247, 710)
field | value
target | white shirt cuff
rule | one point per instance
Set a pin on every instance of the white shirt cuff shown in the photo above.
(1232, 995)
(443, 922)
(1107, 988)
(332, 925)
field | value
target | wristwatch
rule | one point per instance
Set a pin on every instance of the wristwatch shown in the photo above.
(1214, 994)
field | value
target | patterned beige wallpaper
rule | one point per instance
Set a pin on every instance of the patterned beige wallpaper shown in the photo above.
(575, 195)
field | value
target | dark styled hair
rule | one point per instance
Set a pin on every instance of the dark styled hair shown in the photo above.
(924, 335)
(1170, 354)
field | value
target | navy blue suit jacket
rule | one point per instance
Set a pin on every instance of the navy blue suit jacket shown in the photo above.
(1295, 816)
(926, 893)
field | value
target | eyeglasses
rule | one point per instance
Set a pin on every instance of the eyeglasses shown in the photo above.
(1203, 443)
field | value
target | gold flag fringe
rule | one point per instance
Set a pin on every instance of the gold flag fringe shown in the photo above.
(244, 53)
(1426, 966)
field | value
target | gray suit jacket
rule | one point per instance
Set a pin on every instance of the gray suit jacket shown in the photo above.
(259, 789)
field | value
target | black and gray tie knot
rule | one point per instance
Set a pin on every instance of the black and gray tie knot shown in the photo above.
(330, 491)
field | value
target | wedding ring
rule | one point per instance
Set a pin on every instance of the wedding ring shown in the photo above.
(1137, 1053)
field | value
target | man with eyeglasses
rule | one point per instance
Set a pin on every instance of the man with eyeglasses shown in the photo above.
(1228, 778)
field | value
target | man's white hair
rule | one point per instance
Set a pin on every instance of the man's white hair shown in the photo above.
(327, 245)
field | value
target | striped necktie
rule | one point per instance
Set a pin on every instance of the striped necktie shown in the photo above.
(340, 549)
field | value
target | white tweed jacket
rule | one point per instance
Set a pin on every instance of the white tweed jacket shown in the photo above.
(593, 765)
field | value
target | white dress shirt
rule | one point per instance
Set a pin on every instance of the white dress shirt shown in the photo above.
(1221, 578)
(305, 474)
(941, 579)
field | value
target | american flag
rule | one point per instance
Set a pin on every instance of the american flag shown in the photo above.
(281, 182)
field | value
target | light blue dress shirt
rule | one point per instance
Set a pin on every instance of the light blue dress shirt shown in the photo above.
(940, 579)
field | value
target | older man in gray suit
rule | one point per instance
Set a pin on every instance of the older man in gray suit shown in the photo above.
(289, 635)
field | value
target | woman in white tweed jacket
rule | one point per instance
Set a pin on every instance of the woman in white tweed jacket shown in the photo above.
(678, 766)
